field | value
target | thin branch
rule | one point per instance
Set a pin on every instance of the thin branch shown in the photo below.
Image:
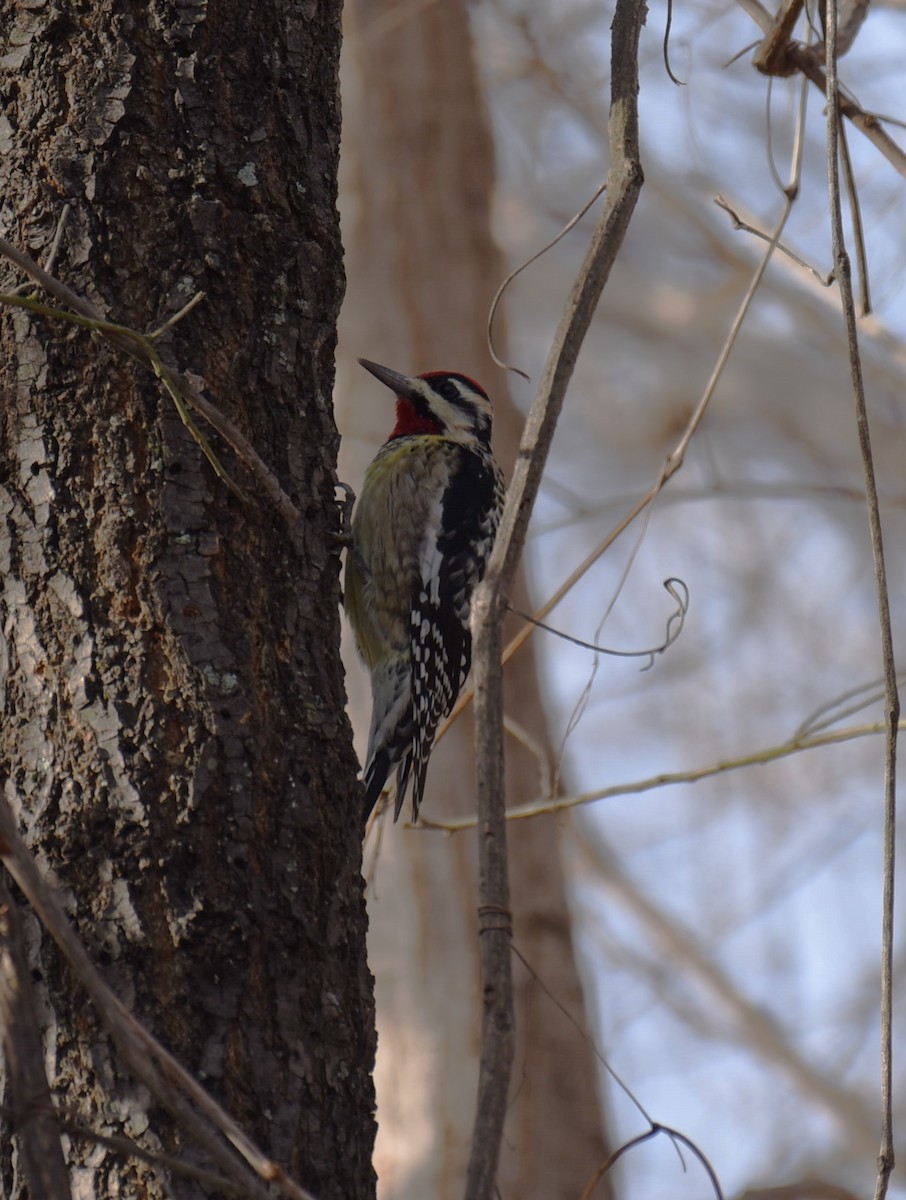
(24, 288)
(667, 27)
(57, 237)
(145, 1057)
(141, 349)
(892, 701)
(675, 460)
(802, 58)
(623, 186)
(674, 1135)
(853, 700)
(111, 330)
(127, 1148)
(177, 317)
(679, 592)
(585, 1035)
(855, 209)
(757, 758)
(32, 1118)
(792, 190)
(770, 58)
(745, 227)
(498, 295)
(538, 752)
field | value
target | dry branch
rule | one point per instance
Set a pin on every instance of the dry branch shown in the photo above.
(798, 57)
(181, 388)
(676, 458)
(33, 1116)
(843, 273)
(623, 186)
(199, 1114)
(757, 758)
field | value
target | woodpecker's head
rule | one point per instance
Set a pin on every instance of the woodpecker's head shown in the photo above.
(442, 402)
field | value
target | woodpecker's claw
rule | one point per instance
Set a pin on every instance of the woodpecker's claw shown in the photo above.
(344, 536)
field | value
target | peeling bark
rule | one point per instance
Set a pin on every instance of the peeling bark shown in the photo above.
(173, 733)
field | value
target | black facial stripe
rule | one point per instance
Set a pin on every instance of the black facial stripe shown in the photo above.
(446, 385)
(422, 407)
(451, 393)
(469, 384)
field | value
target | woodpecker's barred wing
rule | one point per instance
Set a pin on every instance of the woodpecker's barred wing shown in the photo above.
(453, 563)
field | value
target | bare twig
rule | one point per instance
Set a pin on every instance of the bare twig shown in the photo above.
(623, 186)
(538, 752)
(111, 330)
(756, 758)
(676, 589)
(127, 1148)
(802, 58)
(656, 1129)
(197, 1111)
(24, 288)
(892, 701)
(674, 460)
(140, 347)
(770, 57)
(667, 27)
(57, 238)
(585, 1035)
(853, 700)
(498, 295)
(746, 227)
(177, 317)
(855, 209)
(33, 1117)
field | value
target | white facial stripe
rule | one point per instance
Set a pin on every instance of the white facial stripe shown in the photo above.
(453, 416)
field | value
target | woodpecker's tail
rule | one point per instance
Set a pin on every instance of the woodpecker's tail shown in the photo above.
(375, 777)
(392, 730)
(376, 774)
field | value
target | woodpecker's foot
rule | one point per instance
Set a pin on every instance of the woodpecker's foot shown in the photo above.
(344, 536)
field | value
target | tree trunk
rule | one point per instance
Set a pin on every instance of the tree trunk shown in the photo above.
(173, 740)
(423, 269)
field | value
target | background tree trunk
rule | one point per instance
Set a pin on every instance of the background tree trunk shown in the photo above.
(173, 735)
(423, 268)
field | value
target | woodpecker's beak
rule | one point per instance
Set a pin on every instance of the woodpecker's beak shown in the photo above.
(397, 383)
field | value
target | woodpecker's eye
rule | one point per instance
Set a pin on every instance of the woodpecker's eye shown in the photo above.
(448, 389)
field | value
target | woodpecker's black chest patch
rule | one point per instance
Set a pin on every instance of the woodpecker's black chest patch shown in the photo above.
(471, 511)
(441, 639)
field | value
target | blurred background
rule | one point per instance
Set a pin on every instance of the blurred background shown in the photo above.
(716, 942)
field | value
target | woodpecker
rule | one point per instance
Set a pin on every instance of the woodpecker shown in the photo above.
(422, 531)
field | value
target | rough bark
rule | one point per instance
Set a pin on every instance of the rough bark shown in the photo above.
(173, 735)
(423, 268)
